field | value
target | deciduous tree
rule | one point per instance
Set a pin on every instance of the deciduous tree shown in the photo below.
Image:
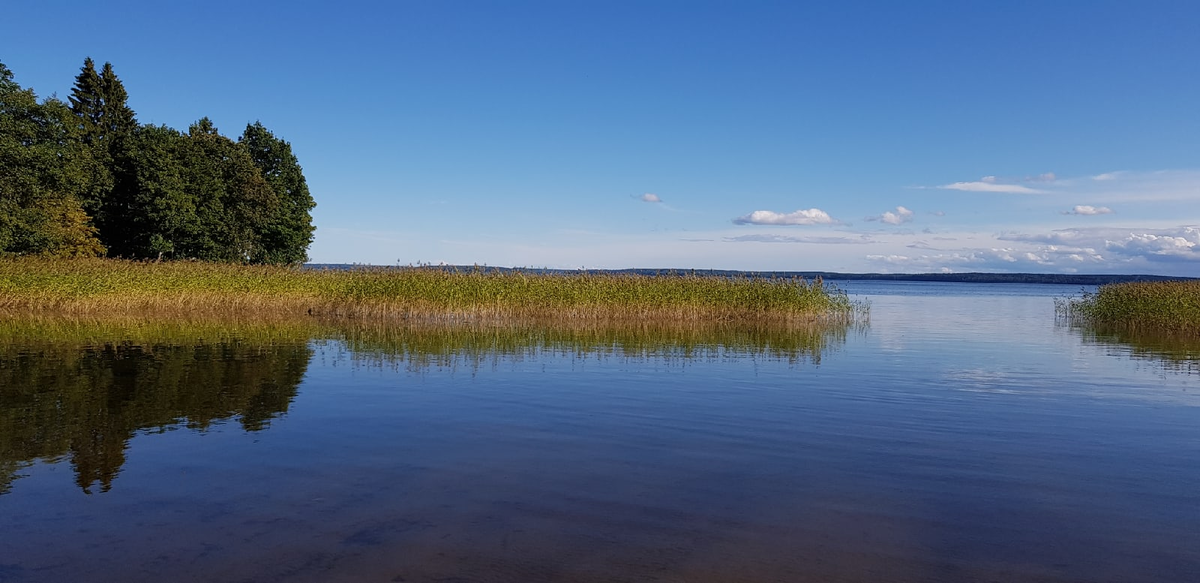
(289, 231)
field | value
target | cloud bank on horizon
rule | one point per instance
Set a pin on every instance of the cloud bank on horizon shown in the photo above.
(1149, 243)
(916, 237)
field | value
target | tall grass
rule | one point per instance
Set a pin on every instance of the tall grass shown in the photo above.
(186, 289)
(1171, 307)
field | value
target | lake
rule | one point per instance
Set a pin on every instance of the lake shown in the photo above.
(961, 435)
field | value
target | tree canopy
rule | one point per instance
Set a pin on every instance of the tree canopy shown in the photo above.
(86, 179)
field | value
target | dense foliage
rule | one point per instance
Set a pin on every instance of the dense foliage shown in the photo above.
(85, 179)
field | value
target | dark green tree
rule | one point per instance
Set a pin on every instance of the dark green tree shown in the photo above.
(45, 169)
(107, 124)
(101, 103)
(161, 214)
(289, 231)
(76, 179)
(234, 203)
(86, 100)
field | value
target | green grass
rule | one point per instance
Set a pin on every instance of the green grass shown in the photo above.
(1171, 307)
(101, 287)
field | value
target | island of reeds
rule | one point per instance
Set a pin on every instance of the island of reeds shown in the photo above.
(192, 289)
(1166, 307)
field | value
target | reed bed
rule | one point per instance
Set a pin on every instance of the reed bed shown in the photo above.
(1171, 307)
(192, 289)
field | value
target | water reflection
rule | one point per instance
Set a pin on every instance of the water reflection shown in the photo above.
(74, 392)
(81, 390)
(450, 346)
(1172, 352)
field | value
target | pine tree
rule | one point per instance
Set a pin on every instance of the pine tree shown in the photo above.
(86, 101)
(117, 120)
(107, 124)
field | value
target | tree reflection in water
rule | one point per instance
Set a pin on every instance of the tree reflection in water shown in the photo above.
(86, 402)
(80, 390)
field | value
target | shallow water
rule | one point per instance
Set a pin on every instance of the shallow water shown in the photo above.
(962, 436)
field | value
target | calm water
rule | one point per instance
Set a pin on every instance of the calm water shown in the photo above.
(961, 436)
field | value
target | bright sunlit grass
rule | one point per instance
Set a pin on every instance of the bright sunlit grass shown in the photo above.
(101, 287)
(1160, 306)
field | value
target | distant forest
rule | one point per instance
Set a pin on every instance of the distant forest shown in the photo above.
(84, 178)
(968, 277)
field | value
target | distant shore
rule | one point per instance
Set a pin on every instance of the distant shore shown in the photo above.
(970, 277)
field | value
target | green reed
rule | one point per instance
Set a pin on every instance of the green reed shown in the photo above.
(191, 289)
(1161, 306)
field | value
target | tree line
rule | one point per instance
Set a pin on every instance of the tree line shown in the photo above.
(84, 178)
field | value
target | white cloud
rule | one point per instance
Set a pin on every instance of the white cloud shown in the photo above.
(1180, 246)
(801, 217)
(1120, 186)
(650, 197)
(1115, 250)
(789, 239)
(1059, 237)
(989, 184)
(893, 259)
(1088, 210)
(901, 215)
(1011, 259)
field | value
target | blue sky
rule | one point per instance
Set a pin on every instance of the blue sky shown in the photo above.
(869, 136)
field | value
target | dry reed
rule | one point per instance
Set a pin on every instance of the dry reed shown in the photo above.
(104, 287)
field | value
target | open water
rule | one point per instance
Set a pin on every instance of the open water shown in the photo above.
(963, 435)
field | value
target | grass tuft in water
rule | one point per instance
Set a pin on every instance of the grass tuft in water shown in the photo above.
(1171, 307)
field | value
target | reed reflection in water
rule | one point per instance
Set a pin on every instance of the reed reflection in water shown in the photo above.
(1175, 352)
(81, 390)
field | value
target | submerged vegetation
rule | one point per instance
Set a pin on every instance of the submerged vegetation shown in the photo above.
(1171, 307)
(106, 287)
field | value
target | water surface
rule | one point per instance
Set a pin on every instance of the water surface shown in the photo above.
(963, 435)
